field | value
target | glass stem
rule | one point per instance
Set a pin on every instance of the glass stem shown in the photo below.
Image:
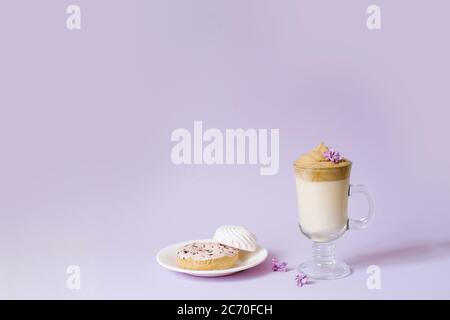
(324, 254)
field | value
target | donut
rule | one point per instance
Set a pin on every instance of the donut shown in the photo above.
(206, 256)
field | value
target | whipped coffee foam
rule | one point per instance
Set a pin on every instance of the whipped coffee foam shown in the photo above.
(314, 166)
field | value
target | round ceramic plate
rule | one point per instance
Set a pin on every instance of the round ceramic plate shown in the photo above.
(167, 257)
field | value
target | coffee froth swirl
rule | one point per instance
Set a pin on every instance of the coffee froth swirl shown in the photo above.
(313, 166)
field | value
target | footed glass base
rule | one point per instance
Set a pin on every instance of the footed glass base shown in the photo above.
(324, 265)
(332, 271)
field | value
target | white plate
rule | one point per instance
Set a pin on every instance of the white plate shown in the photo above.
(167, 258)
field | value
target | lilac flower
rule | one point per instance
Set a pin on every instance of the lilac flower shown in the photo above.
(301, 279)
(332, 155)
(279, 266)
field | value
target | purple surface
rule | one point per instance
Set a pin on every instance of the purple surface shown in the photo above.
(86, 117)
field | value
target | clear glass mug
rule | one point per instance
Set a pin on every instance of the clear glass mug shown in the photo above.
(322, 196)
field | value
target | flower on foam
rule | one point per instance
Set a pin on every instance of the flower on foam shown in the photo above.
(332, 155)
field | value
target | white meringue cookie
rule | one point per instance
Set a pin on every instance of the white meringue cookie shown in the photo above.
(236, 237)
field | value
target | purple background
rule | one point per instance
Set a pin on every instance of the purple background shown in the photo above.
(86, 117)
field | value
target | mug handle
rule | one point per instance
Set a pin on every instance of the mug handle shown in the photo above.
(361, 223)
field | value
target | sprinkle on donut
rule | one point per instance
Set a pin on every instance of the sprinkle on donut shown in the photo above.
(205, 251)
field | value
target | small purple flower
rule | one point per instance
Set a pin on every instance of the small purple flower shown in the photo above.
(332, 155)
(301, 279)
(278, 266)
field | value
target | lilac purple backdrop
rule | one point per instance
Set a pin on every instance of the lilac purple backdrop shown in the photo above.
(86, 117)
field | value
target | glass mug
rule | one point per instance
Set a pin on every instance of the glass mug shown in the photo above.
(322, 196)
